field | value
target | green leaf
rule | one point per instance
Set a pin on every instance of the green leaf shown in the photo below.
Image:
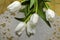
(25, 10)
(20, 19)
(42, 14)
(31, 3)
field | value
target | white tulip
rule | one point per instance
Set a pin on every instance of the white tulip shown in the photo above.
(50, 14)
(30, 28)
(15, 6)
(34, 18)
(20, 28)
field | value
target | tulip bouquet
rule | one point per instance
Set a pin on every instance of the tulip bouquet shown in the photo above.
(33, 9)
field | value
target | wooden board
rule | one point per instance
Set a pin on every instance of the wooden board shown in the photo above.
(55, 5)
(4, 4)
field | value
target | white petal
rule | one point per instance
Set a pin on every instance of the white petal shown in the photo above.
(30, 28)
(20, 26)
(15, 6)
(34, 18)
(44, 10)
(50, 14)
(21, 31)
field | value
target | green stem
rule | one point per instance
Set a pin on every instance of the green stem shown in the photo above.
(28, 14)
(46, 5)
(36, 6)
(27, 18)
(23, 1)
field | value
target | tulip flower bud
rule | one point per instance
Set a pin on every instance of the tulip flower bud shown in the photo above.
(20, 28)
(44, 9)
(50, 14)
(15, 6)
(34, 18)
(30, 28)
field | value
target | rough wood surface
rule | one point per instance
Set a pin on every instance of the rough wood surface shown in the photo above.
(4, 4)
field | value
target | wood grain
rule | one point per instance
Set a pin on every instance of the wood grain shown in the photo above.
(4, 4)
